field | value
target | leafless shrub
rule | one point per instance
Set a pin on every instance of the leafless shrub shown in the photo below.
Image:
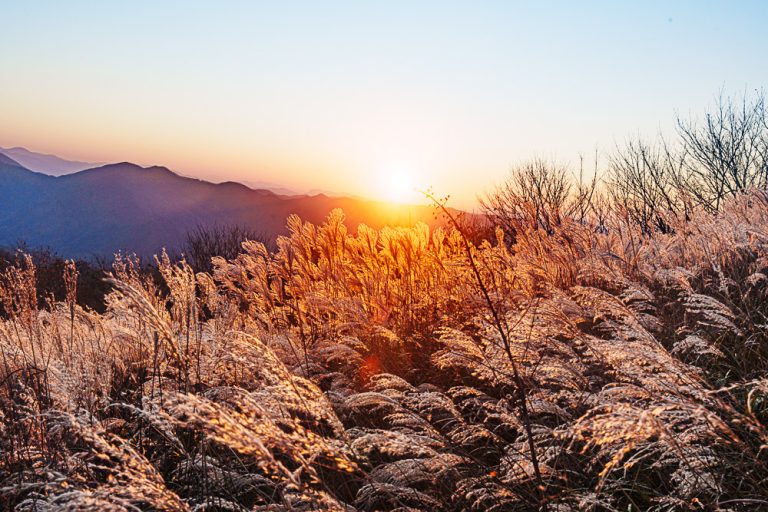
(648, 182)
(208, 241)
(540, 195)
(727, 151)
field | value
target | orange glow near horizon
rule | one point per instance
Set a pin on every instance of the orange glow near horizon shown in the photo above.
(236, 160)
(322, 97)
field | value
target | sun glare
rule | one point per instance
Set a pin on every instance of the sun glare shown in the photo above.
(398, 185)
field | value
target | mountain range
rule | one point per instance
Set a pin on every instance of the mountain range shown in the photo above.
(95, 212)
(47, 164)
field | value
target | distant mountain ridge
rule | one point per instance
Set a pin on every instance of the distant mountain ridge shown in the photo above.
(56, 166)
(47, 164)
(125, 207)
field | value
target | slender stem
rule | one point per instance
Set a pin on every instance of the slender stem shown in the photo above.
(522, 390)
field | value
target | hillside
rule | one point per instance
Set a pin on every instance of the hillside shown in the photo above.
(603, 370)
(99, 211)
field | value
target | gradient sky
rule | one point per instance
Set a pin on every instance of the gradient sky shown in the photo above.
(335, 95)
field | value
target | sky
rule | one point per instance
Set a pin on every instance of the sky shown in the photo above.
(361, 97)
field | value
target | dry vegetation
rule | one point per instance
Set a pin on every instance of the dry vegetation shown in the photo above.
(583, 357)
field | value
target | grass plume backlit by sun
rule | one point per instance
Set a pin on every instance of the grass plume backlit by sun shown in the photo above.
(355, 370)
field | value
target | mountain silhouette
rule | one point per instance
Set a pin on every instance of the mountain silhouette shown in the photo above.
(46, 164)
(125, 207)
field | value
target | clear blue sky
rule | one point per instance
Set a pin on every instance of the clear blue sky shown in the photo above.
(335, 95)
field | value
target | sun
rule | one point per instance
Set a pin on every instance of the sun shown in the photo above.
(398, 185)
